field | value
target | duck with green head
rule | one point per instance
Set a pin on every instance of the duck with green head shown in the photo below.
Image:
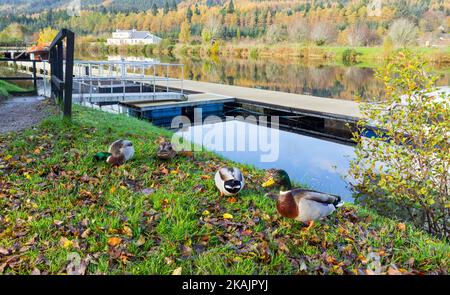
(119, 152)
(304, 205)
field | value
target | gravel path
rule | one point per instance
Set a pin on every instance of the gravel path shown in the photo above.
(19, 113)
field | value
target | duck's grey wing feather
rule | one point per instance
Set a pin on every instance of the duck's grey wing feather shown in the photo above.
(226, 173)
(115, 147)
(238, 174)
(315, 196)
(313, 210)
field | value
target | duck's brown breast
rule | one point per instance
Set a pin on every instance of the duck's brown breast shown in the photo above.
(287, 206)
(116, 161)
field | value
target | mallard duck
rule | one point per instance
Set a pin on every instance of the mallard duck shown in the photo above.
(229, 181)
(300, 204)
(165, 151)
(277, 178)
(120, 151)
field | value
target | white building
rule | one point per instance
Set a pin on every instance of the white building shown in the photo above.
(132, 37)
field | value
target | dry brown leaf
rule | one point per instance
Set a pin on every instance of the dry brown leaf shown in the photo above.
(401, 226)
(4, 251)
(140, 241)
(114, 241)
(127, 231)
(86, 233)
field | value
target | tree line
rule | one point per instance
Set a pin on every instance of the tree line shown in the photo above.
(352, 23)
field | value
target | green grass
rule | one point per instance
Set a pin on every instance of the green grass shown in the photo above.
(7, 88)
(54, 200)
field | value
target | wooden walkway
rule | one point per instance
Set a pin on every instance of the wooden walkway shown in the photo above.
(192, 101)
(297, 103)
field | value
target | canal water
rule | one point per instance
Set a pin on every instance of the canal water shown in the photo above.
(317, 163)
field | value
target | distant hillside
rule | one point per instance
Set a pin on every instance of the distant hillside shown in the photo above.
(19, 7)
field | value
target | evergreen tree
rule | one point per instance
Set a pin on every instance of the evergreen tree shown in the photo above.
(166, 7)
(197, 11)
(230, 7)
(154, 9)
(189, 14)
(50, 16)
(174, 5)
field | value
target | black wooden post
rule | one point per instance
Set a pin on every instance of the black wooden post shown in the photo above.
(68, 85)
(62, 77)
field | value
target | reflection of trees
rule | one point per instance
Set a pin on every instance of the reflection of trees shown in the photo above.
(327, 81)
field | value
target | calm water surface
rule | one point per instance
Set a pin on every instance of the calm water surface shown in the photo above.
(320, 164)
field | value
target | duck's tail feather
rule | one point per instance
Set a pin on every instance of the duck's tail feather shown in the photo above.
(338, 202)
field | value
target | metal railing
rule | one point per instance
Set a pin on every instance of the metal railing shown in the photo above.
(89, 76)
(61, 67)
(33, 77)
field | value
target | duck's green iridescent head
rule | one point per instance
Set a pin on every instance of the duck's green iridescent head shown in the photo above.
(277, 178)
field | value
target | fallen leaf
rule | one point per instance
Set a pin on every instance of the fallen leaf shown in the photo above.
(205, 177)
(37, 151)
(401, 226)
(127, 231)
(177, 271)
(227, 216)
(86, 233)
(232, 200)
(66, 243)
(140, 241)
(392, 270)
(58, 222)
(114, 241)
(4, 251)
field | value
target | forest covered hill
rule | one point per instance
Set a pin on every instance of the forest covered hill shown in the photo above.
(323, 22)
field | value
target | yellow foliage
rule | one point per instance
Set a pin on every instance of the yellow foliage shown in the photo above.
(46, 36)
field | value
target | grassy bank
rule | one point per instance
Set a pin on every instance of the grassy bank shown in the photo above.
(149, 216)
(439, 56)
(8, 88)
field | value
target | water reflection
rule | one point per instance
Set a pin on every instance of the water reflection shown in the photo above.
(293, 76)
(320, 164)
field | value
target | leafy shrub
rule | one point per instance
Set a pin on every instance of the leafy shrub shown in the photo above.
(350, 56)
(404, 171)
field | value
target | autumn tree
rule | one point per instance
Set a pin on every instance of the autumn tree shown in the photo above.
(404, 169)
(13, 33)
(276, 33)
(46, 36)
(403, 33)
(299, 31)
(185, 33)
(323, 33)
